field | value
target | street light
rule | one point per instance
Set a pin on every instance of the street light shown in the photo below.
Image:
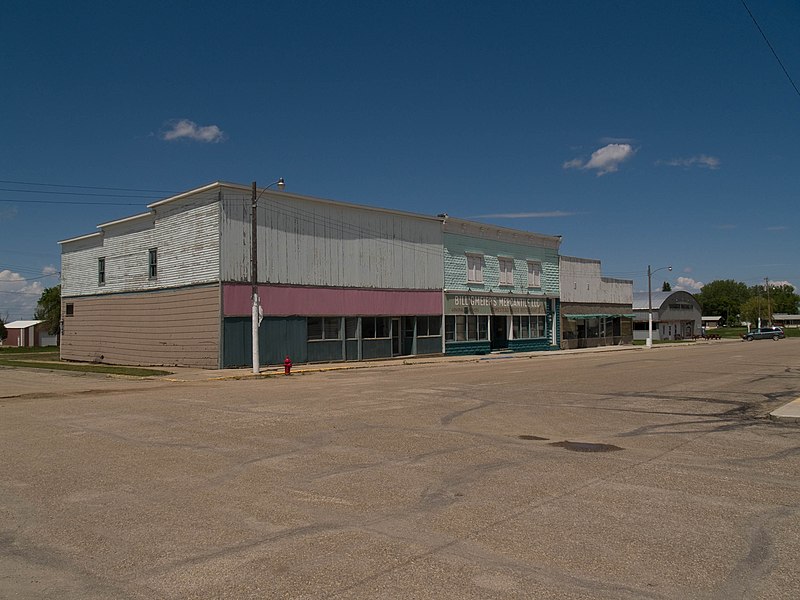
(256, 316)
(650, 302)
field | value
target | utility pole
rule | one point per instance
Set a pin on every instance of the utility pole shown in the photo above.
(649, 342)
(256, 309)
(769, 303)
(254, 276)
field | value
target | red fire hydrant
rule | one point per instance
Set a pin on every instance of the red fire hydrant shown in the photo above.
(287, 366)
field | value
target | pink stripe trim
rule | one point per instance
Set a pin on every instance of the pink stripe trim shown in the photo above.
(283, 301)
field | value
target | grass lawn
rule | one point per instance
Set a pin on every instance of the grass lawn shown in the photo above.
(726, 333)
(48, 358)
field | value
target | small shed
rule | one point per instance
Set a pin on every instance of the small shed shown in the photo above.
(28, 334)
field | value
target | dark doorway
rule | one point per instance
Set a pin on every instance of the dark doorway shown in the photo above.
(499, 333)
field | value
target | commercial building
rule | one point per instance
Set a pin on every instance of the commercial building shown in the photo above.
(336, 281)
(786, 320)
(676, 315)
(500, 288)
(595, 310)
(172, 286)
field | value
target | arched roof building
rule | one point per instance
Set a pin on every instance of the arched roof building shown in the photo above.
(676, 315)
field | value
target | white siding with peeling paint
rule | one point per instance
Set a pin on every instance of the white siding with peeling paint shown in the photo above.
(185, 234)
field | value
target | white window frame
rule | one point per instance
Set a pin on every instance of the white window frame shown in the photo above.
(534, 274)
(474, 268)
(506, 270)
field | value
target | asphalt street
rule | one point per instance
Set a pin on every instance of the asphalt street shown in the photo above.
(636, 474)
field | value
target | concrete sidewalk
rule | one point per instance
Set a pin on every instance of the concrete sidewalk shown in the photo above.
(788, 412)
(190, 374)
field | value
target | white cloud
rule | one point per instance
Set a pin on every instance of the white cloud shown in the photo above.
(702, 160)
(527, 215)
(575, 163)
(777, 228)
(18, 297)
(688, 284)
(613, 140)
(781, 283)
(603, 160)
(189, 130)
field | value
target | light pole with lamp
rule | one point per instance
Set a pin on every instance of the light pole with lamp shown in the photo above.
(650, 302)
(256, 316)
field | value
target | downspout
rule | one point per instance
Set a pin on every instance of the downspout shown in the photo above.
(221, 331)
(443, 217)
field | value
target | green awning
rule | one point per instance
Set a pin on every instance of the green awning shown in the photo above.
(594, 316)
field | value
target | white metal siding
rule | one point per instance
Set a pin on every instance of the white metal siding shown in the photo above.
(303, 242)
(186, 234)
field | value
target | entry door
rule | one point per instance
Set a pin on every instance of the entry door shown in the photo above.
(499, 332)
(396, 337)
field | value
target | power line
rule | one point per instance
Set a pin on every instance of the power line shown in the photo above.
(18, 268)
(87, 187)
(150, 197)
(72, 202)
(775, 54)
(20, 293)
(35, 278)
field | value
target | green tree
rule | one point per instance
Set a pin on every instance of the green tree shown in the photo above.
(723, 297)
(3, 330)
(754, 309)
(48, 309)
(666, 287)
(781, 298)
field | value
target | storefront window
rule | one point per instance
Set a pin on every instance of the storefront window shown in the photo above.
(472, 327)
(429, 326)
(593, 327)
(570, 331)
(323, 328)
(526, 327)
(351, 328)
(375, 327)
(483, 328)
(462, 328)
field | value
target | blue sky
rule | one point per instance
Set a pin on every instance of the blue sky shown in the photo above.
(643, 132)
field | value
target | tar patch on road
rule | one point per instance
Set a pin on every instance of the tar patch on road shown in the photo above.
(586, 446)
(532, 437)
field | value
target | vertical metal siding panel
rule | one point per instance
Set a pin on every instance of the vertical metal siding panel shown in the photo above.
(302, 242)
(235, 234)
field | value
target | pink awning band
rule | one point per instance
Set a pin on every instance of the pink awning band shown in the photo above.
(283, 301)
